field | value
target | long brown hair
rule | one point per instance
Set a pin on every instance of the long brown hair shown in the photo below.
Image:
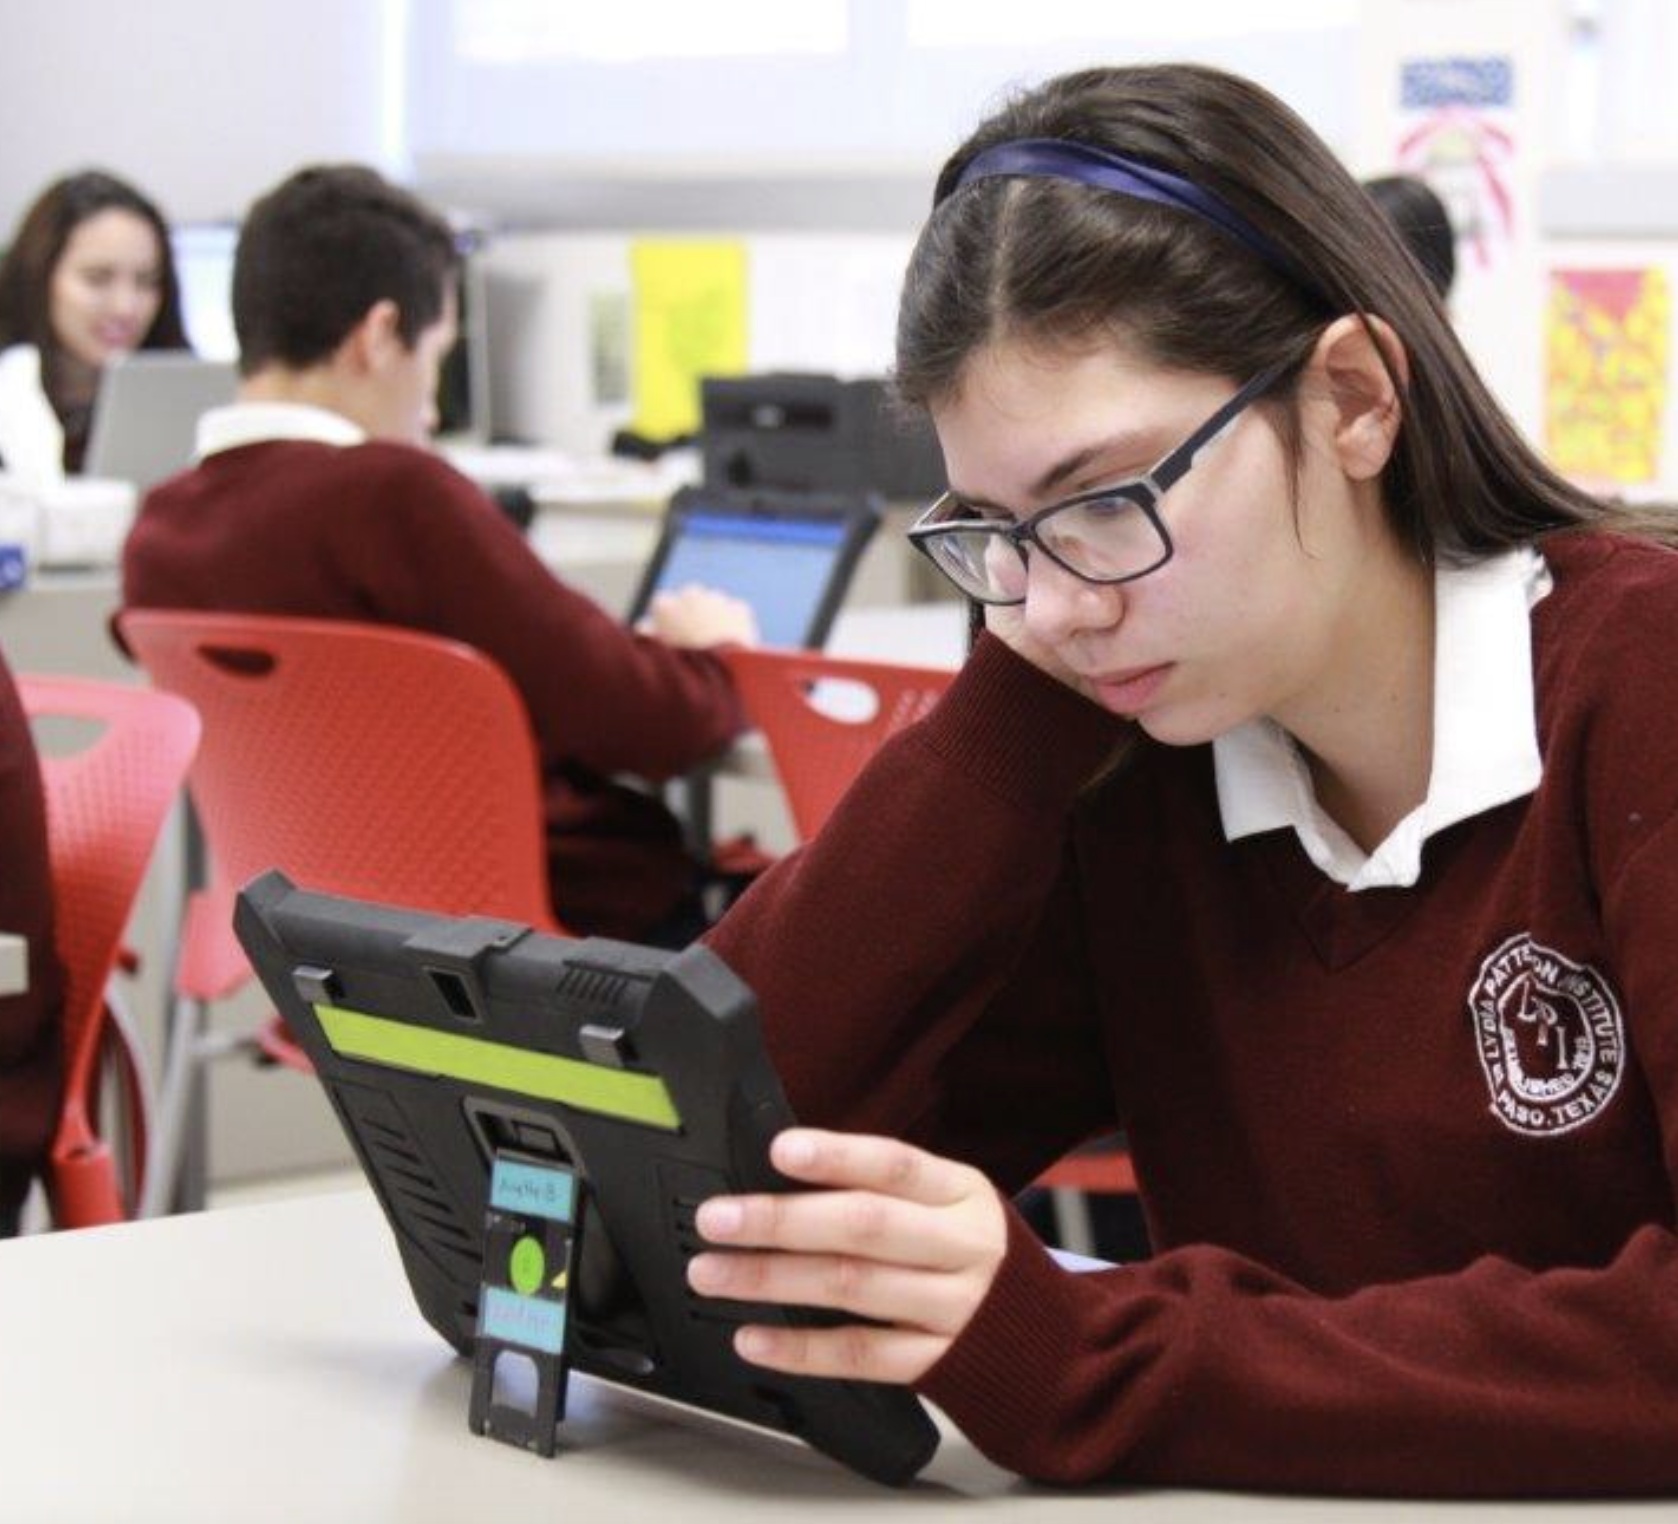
(38, 245)
(1050, 261)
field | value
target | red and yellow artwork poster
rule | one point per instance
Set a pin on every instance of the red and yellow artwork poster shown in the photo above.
(1607, 339)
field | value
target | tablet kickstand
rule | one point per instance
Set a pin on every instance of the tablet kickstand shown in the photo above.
(532, 1235)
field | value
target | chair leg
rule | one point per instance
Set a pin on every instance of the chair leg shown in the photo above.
(192, 1186)
(177, 1173)
(1072, 1220)
(694, 806)
(131, 1104)
(181, 1080)
(178, 1182)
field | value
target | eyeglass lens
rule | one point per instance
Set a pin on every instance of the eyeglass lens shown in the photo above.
(1106, 539)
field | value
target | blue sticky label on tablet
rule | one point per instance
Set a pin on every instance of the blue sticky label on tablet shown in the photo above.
(522, 1320)
(531, 1191)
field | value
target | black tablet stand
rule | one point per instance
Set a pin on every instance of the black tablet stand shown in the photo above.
(532, 1237)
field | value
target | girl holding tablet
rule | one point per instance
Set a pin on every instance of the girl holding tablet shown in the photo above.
(1308, 807)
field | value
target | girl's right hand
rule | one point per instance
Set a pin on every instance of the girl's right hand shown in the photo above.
(1007, 623)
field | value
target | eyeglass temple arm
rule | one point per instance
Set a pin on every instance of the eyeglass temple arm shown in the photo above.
(1175, 466)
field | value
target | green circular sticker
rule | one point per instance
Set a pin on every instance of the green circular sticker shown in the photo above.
(526, 1265)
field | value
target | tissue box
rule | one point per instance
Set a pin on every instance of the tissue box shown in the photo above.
(83, 521)
(79, 522)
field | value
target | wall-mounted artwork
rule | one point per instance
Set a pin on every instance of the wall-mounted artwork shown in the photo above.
(1457, 133)
(1607, 351)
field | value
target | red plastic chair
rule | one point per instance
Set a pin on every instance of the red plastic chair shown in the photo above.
(1099, 1170)
(362, 760)
(106, 805)
(818, 750)
(802, 701)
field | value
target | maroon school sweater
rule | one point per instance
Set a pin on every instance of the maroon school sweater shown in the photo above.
(390, 534)
(30, 1063)
(1408, 1155)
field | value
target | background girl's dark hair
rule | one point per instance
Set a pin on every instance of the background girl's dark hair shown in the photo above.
(1051, 261)
(38, 244)
(1412, 206)
(322, 248)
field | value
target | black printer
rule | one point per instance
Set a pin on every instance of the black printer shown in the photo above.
(815, 433)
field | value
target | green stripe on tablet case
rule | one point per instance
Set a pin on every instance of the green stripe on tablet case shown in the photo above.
(589, 1087)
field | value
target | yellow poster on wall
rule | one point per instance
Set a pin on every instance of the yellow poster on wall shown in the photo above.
(1607, 340)
(690, 321)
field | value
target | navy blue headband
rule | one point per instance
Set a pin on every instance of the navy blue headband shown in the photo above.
(1060, 159)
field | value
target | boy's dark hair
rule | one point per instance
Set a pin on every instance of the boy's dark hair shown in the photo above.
(38, 244)
(1047, 261)
(322, 248)
(1414, 208)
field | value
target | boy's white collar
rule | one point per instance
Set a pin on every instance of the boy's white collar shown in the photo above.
(247, 423)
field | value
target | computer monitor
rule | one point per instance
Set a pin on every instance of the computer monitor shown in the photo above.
(463, 399)
(456, 1049)
(145, 416)
(204, 267)
(790, 555)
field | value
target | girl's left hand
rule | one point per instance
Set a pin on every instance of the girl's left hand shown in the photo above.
(904, 1238)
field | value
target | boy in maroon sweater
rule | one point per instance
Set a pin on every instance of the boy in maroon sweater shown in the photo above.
(312, 497)
(1309, 808)
(30, 1050)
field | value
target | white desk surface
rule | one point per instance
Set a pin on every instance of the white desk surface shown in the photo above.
(919, 634)
(14, 964)
(266, 1363)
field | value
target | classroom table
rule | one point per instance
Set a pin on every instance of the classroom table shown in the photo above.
(14, 964)
(266, 1363)
(59, 623)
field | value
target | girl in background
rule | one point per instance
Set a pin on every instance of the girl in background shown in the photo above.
(89, 276)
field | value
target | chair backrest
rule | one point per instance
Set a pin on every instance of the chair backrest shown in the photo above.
(360, 759)
(106, 804)
(803, 702)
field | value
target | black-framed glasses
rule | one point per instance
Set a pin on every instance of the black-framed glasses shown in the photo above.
(1111, 534)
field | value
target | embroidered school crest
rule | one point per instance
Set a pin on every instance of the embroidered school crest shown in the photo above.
(1549, 1035)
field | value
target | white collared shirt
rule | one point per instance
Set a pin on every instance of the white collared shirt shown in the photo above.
(31, 437)
(248, 423)
(1485, 733)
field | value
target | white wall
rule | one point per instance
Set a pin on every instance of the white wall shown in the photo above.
(671, 131)
(203, 103)
(501, 78)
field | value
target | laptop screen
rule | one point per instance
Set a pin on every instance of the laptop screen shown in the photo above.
(780, 568)
(145, 416)
(789, 558)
